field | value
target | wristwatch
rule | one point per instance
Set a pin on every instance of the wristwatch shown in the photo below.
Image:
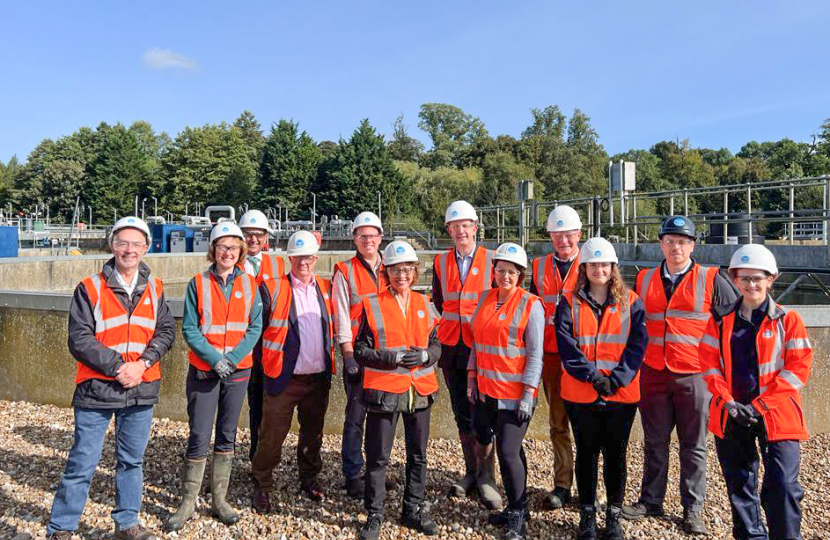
(147, 364)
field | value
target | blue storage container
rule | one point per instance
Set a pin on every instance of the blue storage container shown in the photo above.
(161, 236)
(8, 241)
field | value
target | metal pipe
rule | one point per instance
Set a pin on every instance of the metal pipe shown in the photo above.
(749, 209)
(686, 201)
(634, 213)
(671, 205)
(792, 207)
(725, 216)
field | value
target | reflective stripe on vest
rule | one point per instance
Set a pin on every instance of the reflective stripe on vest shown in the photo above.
(603, 343)
(551, 287)
(675, 326)
(393, 332)
(460, 300)
(498, 338)
(272, 267)
(223, 321)
(127, 334)
(361, 284)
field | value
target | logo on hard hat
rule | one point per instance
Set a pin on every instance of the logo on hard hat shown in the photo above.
(679, 221)
(253, 220)
(560, 222)
(454, 213)
(366, 219)
(745, 258)
(299, 242)
(225, 229)
(400, 250)
(597, 253)
(511, 249)
(131, 220)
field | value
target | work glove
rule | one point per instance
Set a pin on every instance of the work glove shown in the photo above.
(603, 385)
(223, 368)
(472, 390)
(741, 414)
(350, 368)
(408, 359)
(525, 410)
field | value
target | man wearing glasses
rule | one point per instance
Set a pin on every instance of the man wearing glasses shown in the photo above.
(354, 280)
(119, 328)
(554, 275)
(459, 277)
(297, 364)
(679, 297)
(262, 265)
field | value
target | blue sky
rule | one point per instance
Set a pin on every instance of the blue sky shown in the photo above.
(719, 73)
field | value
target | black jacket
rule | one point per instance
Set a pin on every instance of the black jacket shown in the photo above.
(86, 349)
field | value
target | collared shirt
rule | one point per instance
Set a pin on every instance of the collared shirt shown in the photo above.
(342, 313)
(563, 265)
(745, 383)
(464, 264)
(253, 267)
(673, 277)
(311, 358)
(128, 287)
(723, 291)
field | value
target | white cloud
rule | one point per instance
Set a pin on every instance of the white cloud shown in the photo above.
(157, 58)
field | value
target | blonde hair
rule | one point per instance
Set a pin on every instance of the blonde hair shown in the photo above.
(617, 288)
(243, 250)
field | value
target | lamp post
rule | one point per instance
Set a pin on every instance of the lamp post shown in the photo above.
(142, 208)
(380, 216)
(314, 212)
(156, 206)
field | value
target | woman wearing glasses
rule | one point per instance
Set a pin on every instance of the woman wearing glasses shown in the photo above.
(503, 373)
(601, 334)
(398, 348)
(221, 325)
(756, 358)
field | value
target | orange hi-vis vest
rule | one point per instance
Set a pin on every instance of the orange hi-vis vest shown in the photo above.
(125, 333)
(675, 326)
(361, 285)
(223, 322)
(498, 338)
(785, 359)
(276, 331)
(551, 287)
(603, 343)
(272, 266)
(460, 301)
(394, 332)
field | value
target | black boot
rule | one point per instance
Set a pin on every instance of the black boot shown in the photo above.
(516, 525)
(371, 529)
(587, 522)
(417, 518)
(613, 528)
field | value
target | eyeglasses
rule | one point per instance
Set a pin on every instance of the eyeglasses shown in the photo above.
(368, 237)
(504, 272)
(122, 245)
(254, 234)
(306, 258)
(222, 249)
(751, 280)
(401, 271)
(683, 242)
(455, 227)
(570, 235)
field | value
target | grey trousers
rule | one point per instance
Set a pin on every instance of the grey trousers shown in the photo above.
(670, 400)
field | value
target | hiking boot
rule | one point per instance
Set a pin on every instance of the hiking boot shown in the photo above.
(136, 532)
(613, 528)
(354, 488)
(371, 529)
(587, 523)
(516, 525)
(693, 522)
(558, 498)
(499, 519)
(419, 520)
(640, 510)
(261, 502)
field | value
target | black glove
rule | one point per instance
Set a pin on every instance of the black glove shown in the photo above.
(741, 414)
(603, 385)
(525, 409)
(223, 368)
(350, 369)
(409, 359)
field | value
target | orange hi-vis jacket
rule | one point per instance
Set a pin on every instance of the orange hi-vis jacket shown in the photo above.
(603, 343)
(223, 322)
(271, 267)
(498, 338)
(276, 331)
(675, 326)
(126, 333)
(785, 358)
(395, 333)
(550, 287)
(361, 285)
(459, 301)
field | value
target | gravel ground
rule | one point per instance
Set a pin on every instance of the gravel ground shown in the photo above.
(35, 439)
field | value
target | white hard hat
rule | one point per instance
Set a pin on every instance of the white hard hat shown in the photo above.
(225, 228)
(511, 252)
(302, 243)
(597, 250)
(131, 222)
(460, 210)
(399, 251)
(563, 218)
(754, 256)
(367, 219)
(254, 219)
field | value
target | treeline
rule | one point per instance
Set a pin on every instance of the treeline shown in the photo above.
(108, 166)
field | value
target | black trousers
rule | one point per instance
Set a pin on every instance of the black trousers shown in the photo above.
(509, 433)
(781, 492)
(601, 428)
(255, 401)
(380, 434)
(204, 397)
(456, 380)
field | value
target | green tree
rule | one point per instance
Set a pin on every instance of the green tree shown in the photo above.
(8, 177)
(500, 178)
(453, 132)
(434, 190)
(402, 147)
(289, 166)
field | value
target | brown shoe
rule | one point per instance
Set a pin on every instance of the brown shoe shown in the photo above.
(314, 490)
(261, 502)
(136, 532)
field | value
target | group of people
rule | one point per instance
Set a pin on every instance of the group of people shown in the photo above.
(690, 348)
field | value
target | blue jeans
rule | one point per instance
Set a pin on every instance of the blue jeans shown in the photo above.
(132, 431)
